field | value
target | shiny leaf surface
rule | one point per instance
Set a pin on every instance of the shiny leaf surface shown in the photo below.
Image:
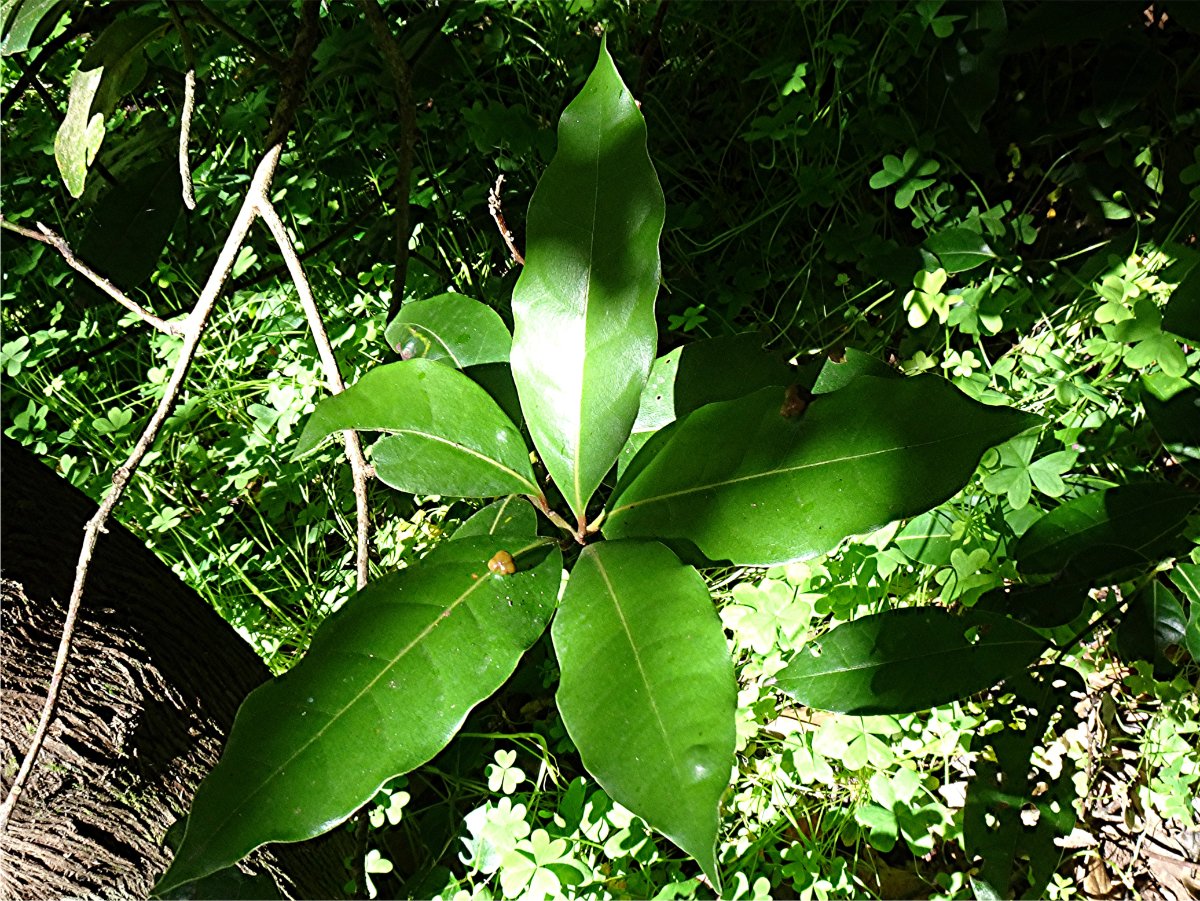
(449, 328)
(446, 435)
(647, 690)
(583, 307)
(741, 481)
(387, 681)
(511, 515)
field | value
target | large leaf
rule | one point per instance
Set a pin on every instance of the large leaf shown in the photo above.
(745, 482)
(900, 661)
(929, 538)
(131, 224)
(1053, 603)
(450, 328)
(959, 249)
(1008, 785)
(387, 681)
(447, 436)
(1177, 422)
(1182, 315)
(81, 133)
(583, 307)
(1106, 531)
(702, 373)
(648, 693)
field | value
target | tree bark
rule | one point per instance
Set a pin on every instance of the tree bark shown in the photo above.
(150, 693)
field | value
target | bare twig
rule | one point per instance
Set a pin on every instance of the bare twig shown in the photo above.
(192, 330)
(401, 72)
(256, 196)
(498, 216)
(189, 104)
(46, 236)
(333, 378)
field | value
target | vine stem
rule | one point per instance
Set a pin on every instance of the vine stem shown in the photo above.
(192, 329)
(359, 470)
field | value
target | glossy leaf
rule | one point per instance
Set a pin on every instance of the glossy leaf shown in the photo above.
(929, 538)
(386, 683)
(647, 691)
(1106, 531)
(131, 224)
(583, 307)
(836, 374)
(449, 328)
(959, 249)
(1008, 783)
(910, 659)
(21, 19)
(446, 435)
(1152, 629)
(509, 516)
(741, 481)
(702, 373)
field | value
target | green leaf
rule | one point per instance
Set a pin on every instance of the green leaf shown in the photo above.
(132, 223)
(1007, 783)
(959, 249)
(929, 538)
(449, 328)
(447, 436)
(836, 374)
(21, 19)
(584, 305)
(701, 373)
(80, 135)
(1152, 628)
(901, 661)
(1106, 531)
(739, 481)
(510, 516)
(1053, 603)
(384, 686)
(648, 693)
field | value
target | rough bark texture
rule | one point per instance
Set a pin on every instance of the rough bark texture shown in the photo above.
(154, 681)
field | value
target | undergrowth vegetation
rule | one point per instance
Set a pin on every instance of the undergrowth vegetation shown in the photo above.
(1003, 195)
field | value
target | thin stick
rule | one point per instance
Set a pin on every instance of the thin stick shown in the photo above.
(498, 216)
(189, 105)
(46, 236)
(264, 55)
(192, 330)
(333, 378)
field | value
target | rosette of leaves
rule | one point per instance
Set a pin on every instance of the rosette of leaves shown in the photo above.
(730, 464)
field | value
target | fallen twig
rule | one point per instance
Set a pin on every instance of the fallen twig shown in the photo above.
(498, 216)
(189, 104)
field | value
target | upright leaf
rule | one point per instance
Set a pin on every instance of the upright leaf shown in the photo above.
(647, 691)
(387, 681)
(1101, 533)
(446, 435)
(900, 661)
(745, 481)
(81, 133)
(449, 328)
(1153, 629)
(511, 515)
(583, 307)
(20, 20)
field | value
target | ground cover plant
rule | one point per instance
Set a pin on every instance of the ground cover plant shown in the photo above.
(940, 296)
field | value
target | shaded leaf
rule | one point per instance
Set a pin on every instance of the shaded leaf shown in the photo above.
(1106, 531)
(959, 249)
(1177, 422)
(509, 516)
(132, 223)
(1153, 629)
(929, 538)
(583, 307)
(1053, 603)
(1182, 314)
(648, 693)
(20, 20)
(837, 374)
(740, 481)
(386, 683)
(446, 435)
(450, 328)
(901, 661)
(1007, 784)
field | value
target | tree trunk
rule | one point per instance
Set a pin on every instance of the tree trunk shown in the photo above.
(154, 680)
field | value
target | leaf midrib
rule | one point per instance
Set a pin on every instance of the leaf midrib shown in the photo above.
(466, 450)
